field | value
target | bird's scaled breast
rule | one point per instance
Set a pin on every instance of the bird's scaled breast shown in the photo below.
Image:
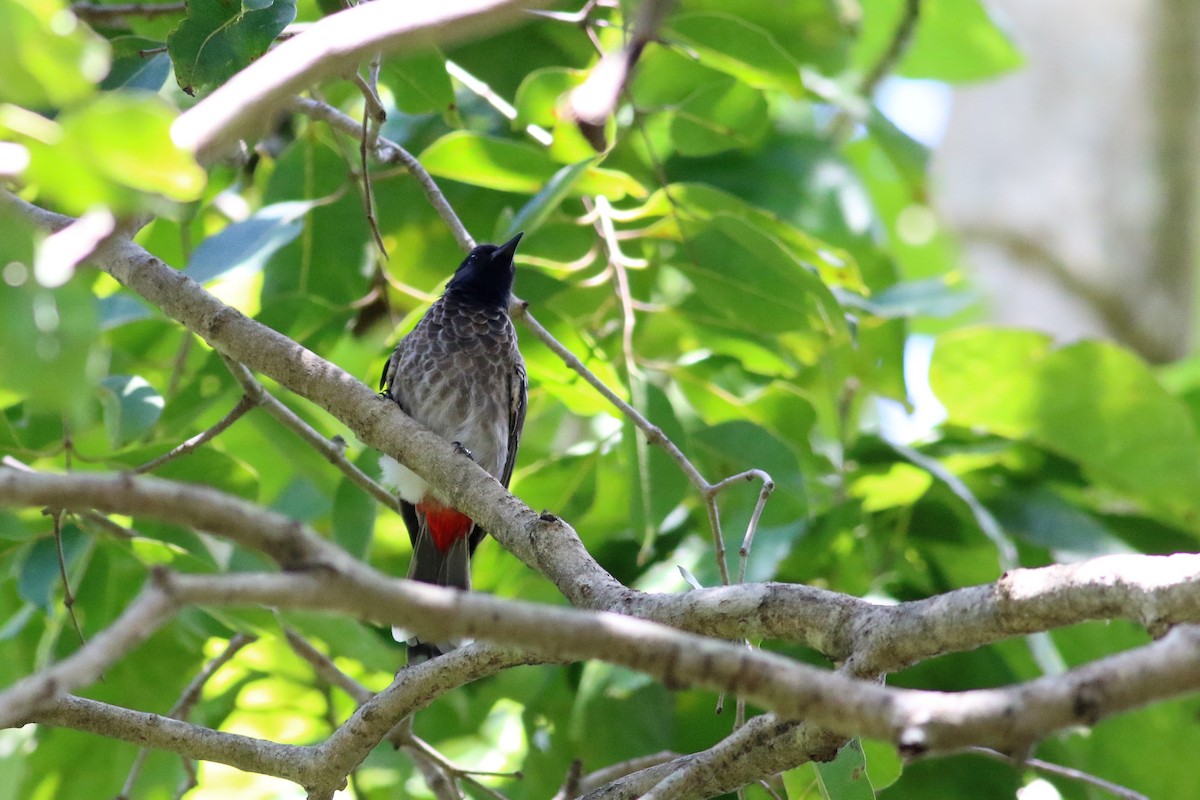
(453, 377)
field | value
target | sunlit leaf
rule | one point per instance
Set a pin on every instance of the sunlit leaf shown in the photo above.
(955, 40)
(534, 213)
(539, 96)
(697, 201)
(514, 167)
(50, 58)
(114, 151)
(1091, 401)
(733, 46)
(719, 117)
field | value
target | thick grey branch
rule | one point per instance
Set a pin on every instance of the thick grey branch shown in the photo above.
(1153, 590)
(1008, 719)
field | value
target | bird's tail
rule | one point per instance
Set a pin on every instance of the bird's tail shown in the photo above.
(430, 564)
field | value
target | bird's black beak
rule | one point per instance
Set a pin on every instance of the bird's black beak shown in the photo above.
(505, 252)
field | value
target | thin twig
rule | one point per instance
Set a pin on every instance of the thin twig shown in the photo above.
(243, 405)
(899, 42)
(606, 775)
(1006, 550)
(1049, 768)
(183, 709)
(180, 362)
(571, 783)
(593, 101)
(325, 668)
(56, 516)
(333, 453)
(190, 779)
(389, 152)
(653, 434)
(374, 116)
(617, 262)
(105, 524)
(842, 125)
(764, 493)
(455, 772)
(769, 789)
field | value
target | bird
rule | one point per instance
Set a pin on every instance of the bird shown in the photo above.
(460, 373)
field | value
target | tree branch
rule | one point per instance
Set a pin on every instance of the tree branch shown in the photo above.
(1010, 719)
(1155, 591)
(244, 106)
(291, 762)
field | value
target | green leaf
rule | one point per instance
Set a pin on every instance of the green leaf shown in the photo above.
(218, 39)
(544, 203)
(131, 407)
(1040, 516)
(731, 45)
(721, 117)
(1092, 402)
(419, 83)
(50, 60)
(700, 202)
(539, 95)
(955, 40)
(113, 152)
(302, 500)
(845, 778)
(667, 76)
(354, 513)
(133, 70)
(934, 297)
(324, 266)
(213, 468)
(510, 166)
(119, 309)
(736, 266)
(48, 339)
(247, 245)
(40, 575)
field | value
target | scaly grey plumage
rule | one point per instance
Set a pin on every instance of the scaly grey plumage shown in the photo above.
(460, 374)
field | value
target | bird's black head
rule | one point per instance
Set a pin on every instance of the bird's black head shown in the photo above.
(486, 275)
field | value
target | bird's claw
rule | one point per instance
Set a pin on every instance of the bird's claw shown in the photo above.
(458, 448)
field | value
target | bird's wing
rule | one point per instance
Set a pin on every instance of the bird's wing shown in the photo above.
(518, 399)
(519, 390)
(388, 376)
(392, 390)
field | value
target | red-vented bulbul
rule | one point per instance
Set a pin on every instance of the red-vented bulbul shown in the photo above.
(460, 374)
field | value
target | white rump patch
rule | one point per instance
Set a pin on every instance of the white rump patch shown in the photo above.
(411, 487)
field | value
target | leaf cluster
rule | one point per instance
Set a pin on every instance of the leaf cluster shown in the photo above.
(764, 268)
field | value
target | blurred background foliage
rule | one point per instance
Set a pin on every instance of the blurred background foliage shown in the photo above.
(787, 282)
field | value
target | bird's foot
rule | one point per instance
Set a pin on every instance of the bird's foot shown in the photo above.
(462, 451)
